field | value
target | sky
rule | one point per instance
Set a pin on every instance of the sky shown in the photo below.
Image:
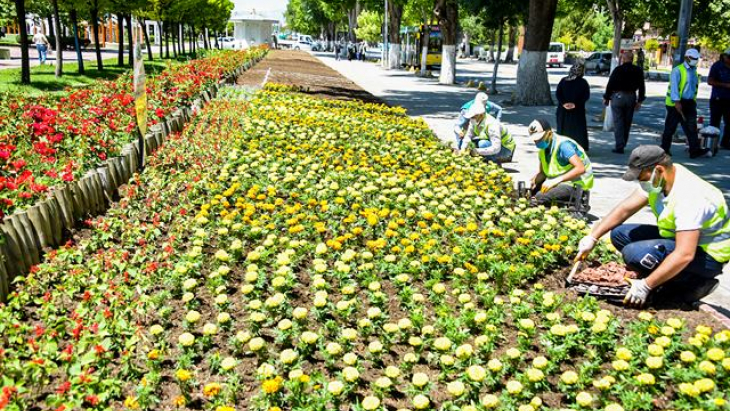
(277, 7)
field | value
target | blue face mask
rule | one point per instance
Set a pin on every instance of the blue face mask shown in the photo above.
(542, 144)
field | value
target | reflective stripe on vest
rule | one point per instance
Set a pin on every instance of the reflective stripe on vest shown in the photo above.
(715, 236)
(553, 168)
(682, 83)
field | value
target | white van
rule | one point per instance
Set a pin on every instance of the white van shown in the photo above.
(556, 55)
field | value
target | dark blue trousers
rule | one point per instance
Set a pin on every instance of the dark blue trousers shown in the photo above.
(644, 249)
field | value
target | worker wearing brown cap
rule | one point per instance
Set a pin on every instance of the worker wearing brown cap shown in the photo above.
(680, 256)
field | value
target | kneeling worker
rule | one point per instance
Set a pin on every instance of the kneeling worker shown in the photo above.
(564, 166)
(480, 103)
(493, 140)
(681, 255)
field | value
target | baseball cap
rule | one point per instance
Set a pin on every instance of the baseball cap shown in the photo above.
(642, 157)
(476, 109)
(692, 53)
(537, 129)
(481, 98)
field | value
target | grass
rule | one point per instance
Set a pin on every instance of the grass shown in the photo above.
(43, 78)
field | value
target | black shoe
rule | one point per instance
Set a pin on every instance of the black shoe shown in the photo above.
(618, 150)
(699, 153)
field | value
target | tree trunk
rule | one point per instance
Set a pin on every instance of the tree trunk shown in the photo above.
(181, 37)
(59, 48)
(496, 61)
(511, 40)
(447, 13)
(617, 17)
(24, 44)
(146, 39)
(97, 47)
(395, 14)
(77, 43)
(130, 40)
(352, 21)
(166, 33)
(162, 38)
(533, 88)
(215, 37)
(120, 39)
(51, 31)
(492, 40)
(426, 36)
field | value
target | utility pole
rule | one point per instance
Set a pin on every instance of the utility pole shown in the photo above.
(685, 18)
(384, 60)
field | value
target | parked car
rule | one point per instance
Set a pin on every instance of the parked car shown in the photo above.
(302, 45)
(228, 43)
(556, 55)
(599, 62)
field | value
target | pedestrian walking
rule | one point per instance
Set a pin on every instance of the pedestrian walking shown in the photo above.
(572, 93)
(719, 79)
(681, 105)
(337, 51)
(41, 44)
(621, 93)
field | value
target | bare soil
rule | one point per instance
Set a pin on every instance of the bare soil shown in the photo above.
(299, 68)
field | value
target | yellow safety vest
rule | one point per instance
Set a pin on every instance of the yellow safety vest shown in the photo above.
(553, 169)
(716, 242)
(682, 84)
(506, 137)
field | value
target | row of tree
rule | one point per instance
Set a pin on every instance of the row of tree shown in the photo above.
(177, 21)
(586, 22)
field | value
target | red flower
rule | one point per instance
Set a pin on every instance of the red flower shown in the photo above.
(63, 388)
(93, 400)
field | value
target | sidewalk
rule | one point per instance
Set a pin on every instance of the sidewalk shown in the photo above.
(438, 105)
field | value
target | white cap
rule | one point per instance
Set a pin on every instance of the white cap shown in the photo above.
(538, 128)
(692, 53)
(476, 109)
(481, 98)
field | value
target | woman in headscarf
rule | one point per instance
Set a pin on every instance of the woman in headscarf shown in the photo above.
(573, 92)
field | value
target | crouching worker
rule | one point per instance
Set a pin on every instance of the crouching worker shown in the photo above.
(492, 140)
(565, 169)
(481, 104)
(681, 255)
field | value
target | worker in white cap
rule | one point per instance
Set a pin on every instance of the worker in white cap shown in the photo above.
(719, 79)
(564, 166)
(681, 102)
(463, 122)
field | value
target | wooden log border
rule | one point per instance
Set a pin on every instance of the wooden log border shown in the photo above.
(28, 233)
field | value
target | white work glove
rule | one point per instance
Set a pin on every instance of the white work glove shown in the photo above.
(638, 293)
(585, 245)
(550, 183)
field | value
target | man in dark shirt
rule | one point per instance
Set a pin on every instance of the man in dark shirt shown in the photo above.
(719, 79)
(623, 84)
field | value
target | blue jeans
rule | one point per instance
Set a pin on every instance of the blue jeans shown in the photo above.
(42, 52)
(462, 123)
(504, 155)
(644, 249)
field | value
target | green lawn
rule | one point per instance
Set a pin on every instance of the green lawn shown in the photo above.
(43, 78)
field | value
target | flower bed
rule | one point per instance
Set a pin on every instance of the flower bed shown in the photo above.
(325, 255)
(50, 140)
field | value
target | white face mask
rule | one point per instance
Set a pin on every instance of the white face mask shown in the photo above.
(692, 62)
(648, 185)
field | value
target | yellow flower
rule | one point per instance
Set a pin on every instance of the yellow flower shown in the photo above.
(569, 377)
(179, 401)
(183, 375)
(704, 385)
(646, 379)
(350, 374)
(620, 365)
(272, 385)
(455, 388)
(614, 407)
(707, 367)
(224, 408)
(655, 350)
(476, 373)
(421, 402)
(131, 403)
(211, 389)
(584, 399)
(514, 387)
(535, 375)
(490, 401)
(420, 379)
(540, 362)
(715, 354)
(494, 365)
(186, 339)
(689, 389)
(335, 388)
(675, 323)
(370, 403)
(687, 356)
(654, 362)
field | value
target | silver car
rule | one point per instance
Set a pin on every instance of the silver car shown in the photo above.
(599, 62)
